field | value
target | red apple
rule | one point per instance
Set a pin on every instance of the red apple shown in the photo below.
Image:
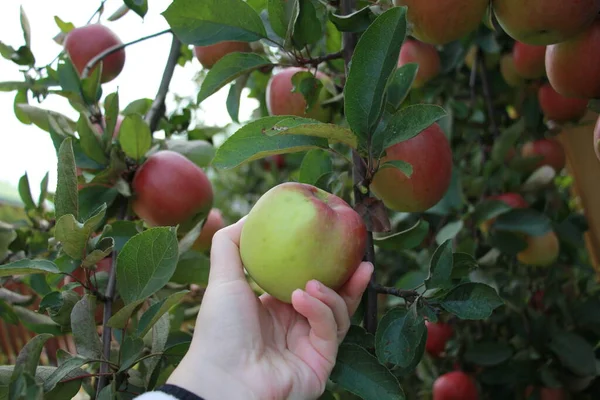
(277, 159)
(559, 108)
(573, 66)
(281, 100)
(291, 227)
(430, 155)
(84, 43)
(169, 190)
(546, 393)
(438, 335)
(541, 251)
(425, 55)
(214, 222)
(597, 139)
(543, 22)
(209, 55)
(529, 60)
(551, 150)
(455, 385)
(509, 71)
(514, 200)
(443, 21)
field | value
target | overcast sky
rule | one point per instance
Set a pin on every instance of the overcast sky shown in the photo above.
(26, 148)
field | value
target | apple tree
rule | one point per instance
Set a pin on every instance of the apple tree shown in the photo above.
(441, 123)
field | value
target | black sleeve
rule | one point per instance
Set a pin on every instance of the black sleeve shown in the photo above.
(178, 392)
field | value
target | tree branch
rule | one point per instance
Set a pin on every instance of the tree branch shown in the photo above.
(157, 109)
(92, 63)
(487, 95)
(409, 295)
(318, 60)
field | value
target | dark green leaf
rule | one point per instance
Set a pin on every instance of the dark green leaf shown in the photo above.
(233, 98)
(7, 314)
(358, 372)
(508, 242)
(405, 240)
(398, 336)
(356, 22)
(103, 248)
(65, 369)
(400, 84)
(489, 209)
(140, 7)
(574, 352)
(43, 191)
(449, 231)
(121, 232)
(83, 326)
(43, 119)
(25, 193)
(307, 29)
(207, 22)
(440, 267)
(359, 336)
(157, 310)
(131, 351)
(160, 335)
(315, 164)
(250, 143)
(119, 320)
(463, 263)
(227, 69)
(93, 196)
(90, 141)
(74, 235)
(472, 301)
(7, 236)
(308, 86)
(111, 107)
(374, 59)
(200, 152)
(66, 188)
(135, 136)
(60, 305)
(26, 267)
(400, 165)
(146, 263)
(524, 220)
(283, 16)
(507, 140)
(91, 86)
(192, 267)
(29, 356)
(488, 354)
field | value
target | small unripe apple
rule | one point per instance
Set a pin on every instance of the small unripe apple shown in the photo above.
(424, 54)
(529, 60)
(541, 250)
(455, 385)
(443, 21)
(551, 150)
(543, 22)
(297, 232)
(214, 222)
(430, 155)
(84, 43)
(281, 100)
(514, 200)
(597, 139)
(211, 54)
(509, 72)
(438, 335)
(573, 66)
(546, 393)
(559, 108)
(169, 190)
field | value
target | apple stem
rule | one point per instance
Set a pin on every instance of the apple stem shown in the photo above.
(408, 295)
(92, 63)
(158, 105)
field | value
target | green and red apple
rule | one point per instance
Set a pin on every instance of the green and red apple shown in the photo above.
(211, 54)
(424, 54)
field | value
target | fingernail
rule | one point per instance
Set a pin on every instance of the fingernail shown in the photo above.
(317, 285)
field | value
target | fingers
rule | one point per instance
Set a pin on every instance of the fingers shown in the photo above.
(335, 302)
(353, 290)
(225, 261)
(323, 329)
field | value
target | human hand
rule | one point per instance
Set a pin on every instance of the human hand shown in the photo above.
(246, 347)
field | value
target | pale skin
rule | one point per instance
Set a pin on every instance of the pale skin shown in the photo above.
(258, 348)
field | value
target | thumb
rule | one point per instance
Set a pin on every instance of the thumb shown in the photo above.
(225, 262)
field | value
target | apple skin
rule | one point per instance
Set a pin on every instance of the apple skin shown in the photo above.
(529, 60)
(211, 54)
(541, 251)
(573, 67)
(514, 200)
(455, 385)
(425, 55)
(86, 42)
(443, 21)
(509, 72)
(430, 155)
(546, 393)
(170, 190)
(559, 108)
(544, 22)
(551, 150)
(295, 233)
(438, 335)
(214, 222)
(281, 100)
(597, 139)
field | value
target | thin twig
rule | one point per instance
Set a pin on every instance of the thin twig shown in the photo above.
(473, 78)
(100, 7)
(487, 96)
(409, 295)
(157, 109)
(318, 60)
(92, 63)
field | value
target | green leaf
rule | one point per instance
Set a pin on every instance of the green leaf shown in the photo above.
(488, 354)
(400, 165)
(91, 86)
(43, 191)
(283, 16)
(449, 231)
(65, 27)
(471, 301)
(524, 220)
(94, 196)
(227, 69)
(68, 367)
(7, 236)
(111, 115)
(359, 336)
(310, 127)
(405, 240)
(119, 320)
(83, 326)
(90, 142)
(102, 250)
(508, 242)
(140, 7)
(43, 119)
(20, 99)
(315, 164)
(489, 209)
(135, 137)
(156, 311)
(65, 199)
(25, 26)
(307, 29)
(308, 86)
(356, 22)
(192, 267)
(507, 139)
(131, 351)
(463, 263)
(146, 263)
(574, 352)
(25, 193)
(358, 372)
(250, 143)
(29, 356)
(160, 335)
(59, 306)
(406, 124)
(400, 84)
(440, 267)
(9, 86)
(74, 235)
(26, 267)
(398, 336)
(121, 232)
(206, 22)
(233, 98)
(374, 59)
